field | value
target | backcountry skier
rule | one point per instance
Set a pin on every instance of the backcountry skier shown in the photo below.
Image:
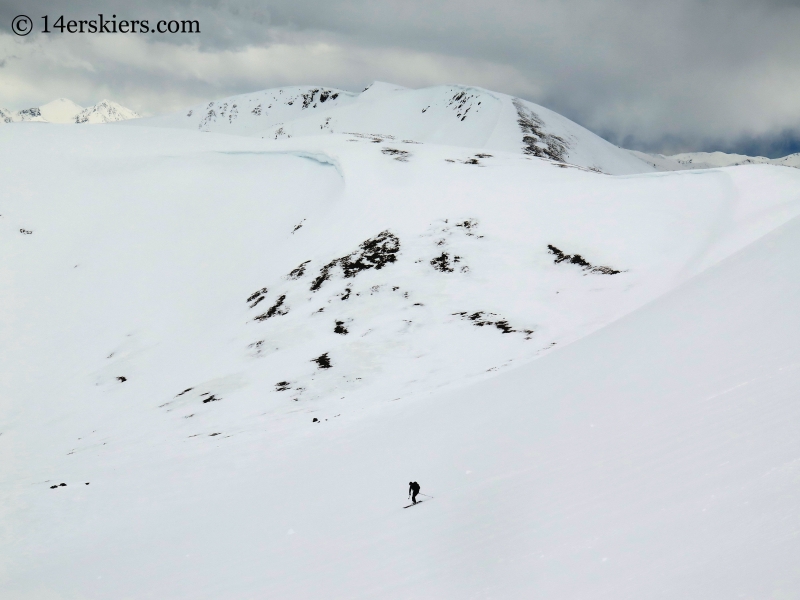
(413, 490)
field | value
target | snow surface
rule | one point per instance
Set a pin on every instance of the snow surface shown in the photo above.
(236, 351)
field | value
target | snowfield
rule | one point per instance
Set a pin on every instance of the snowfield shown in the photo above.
(224, 353)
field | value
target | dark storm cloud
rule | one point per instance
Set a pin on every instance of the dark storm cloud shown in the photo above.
(671, 76)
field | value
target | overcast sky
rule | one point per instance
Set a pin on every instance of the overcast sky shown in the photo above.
(663, 76)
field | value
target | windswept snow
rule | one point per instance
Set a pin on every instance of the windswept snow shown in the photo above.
(234, 351)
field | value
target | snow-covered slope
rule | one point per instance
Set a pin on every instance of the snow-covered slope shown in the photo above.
(452, 115)
(235, 352)
(63, 110)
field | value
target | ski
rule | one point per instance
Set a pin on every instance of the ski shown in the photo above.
(418, 502)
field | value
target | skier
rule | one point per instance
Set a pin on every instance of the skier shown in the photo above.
(413, 490)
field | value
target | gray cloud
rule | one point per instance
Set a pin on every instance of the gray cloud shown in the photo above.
(660, 76)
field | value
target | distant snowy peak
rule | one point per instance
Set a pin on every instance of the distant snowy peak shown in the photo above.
(63, 110)
(60, 111)
(713, 160)
(105, 112)
(699, 160)
(453, 115)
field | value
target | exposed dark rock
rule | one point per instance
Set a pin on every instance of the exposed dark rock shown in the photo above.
(374, 253)
(282, 386)
(308, 97)
(577, 259)
(298, 271)
(276, 309)
(468, 225)
(400, 155)
(444, 263)
(536, 141)
(257, 297)
(340, 328)
(481, 319)
(323, 361)
(30, 112)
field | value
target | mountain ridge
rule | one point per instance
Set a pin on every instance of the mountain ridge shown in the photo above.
(548, 135)
(455, 115)
(65, 111)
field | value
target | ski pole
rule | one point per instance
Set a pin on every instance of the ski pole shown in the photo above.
(421, 494)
